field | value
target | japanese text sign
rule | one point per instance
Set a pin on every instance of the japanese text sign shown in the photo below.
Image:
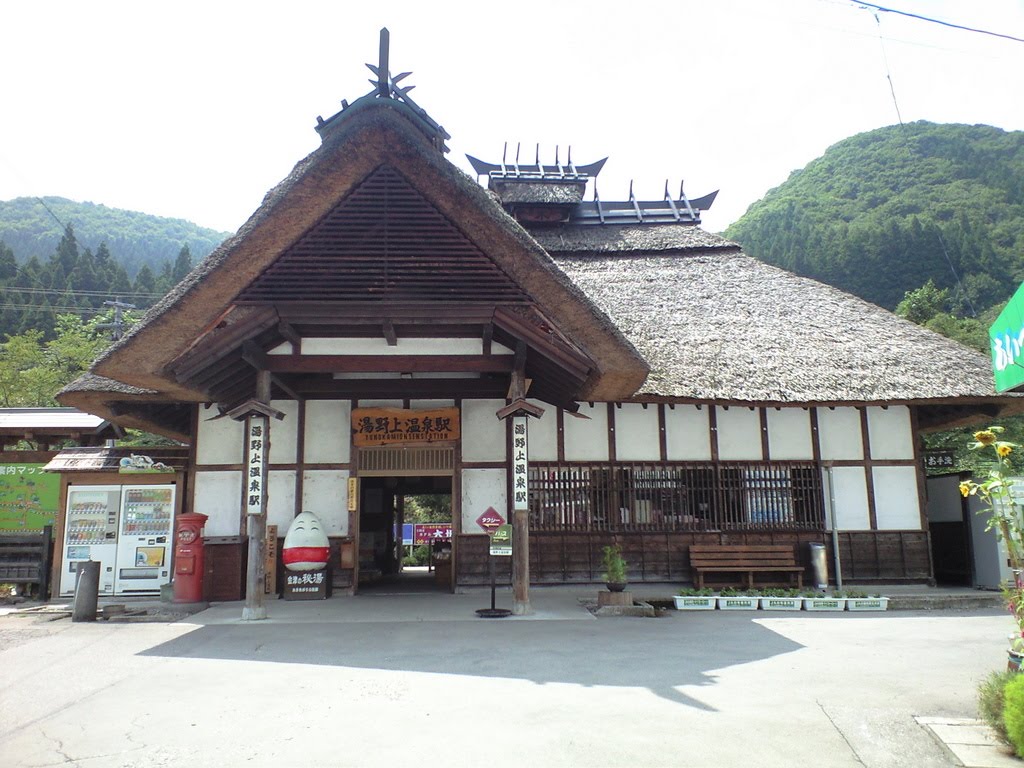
(520, 482)
(380, 426)
(256, 446)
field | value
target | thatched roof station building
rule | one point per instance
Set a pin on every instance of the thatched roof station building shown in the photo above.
(399, 316)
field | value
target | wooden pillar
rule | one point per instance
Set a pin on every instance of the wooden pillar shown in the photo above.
(518, 503)
(256, 576)
(521, 562)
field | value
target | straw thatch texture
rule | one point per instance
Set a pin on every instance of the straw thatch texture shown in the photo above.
(371, 135)
(727, 327)
(618, 238)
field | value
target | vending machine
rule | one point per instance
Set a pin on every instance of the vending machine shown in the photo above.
(144, 544)
(90, 533)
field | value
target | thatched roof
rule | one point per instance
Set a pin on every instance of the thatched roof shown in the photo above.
(628, 238)
(371, 134)
(724, 326)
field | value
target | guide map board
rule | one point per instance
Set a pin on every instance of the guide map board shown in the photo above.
(28, 497)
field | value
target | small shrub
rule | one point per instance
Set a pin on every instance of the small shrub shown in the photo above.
(693, 592)
(420, 556)
(1013, 712)
(614, 565)
(991, 702)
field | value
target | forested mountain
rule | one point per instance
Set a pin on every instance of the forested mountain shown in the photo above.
(32, 226)
(884, 212)
(58, 256)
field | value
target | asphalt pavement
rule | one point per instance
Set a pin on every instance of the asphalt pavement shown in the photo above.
(417, 679)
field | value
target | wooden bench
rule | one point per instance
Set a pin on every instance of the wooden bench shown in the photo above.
(25, 559)
(745, 559)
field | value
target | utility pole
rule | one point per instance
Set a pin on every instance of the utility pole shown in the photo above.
(118, 323)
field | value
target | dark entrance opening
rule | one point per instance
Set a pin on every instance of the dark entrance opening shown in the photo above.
(389, 505)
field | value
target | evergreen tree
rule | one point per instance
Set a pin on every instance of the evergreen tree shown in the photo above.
(8, 266)
(145, 283)
(67, 251)
(182, 265)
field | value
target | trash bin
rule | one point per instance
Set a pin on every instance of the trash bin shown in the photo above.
(819, 565)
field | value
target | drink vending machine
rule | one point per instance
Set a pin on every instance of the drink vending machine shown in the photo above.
(127, 529)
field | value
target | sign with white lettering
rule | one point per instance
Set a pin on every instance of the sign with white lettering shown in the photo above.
(1006, 342)
(501, 541)
(490, 520)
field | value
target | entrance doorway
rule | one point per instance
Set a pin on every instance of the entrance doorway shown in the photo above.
(388, 506)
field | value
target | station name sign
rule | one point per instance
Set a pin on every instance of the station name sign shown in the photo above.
(389, 426)
(1006, 341)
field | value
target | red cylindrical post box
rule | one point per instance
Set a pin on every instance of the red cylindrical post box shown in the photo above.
(189, 563)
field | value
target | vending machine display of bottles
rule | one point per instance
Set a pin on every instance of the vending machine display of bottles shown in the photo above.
(144, 546)
(90, 533)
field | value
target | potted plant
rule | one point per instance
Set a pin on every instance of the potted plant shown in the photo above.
(781, 600)
(614, 568)
(861, 601)
(695, 600)
(732, 599)
(819, 601)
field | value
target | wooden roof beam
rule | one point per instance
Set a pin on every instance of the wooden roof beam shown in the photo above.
(388, 363)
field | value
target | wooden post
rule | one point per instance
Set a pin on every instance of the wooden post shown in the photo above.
(518, 502)
(520, 562)
(256, 575)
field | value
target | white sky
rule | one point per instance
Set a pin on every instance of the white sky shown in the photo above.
(196, 109)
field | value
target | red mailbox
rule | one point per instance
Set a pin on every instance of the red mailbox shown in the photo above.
(188, 558)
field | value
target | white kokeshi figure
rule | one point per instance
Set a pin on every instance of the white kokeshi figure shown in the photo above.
(305, 547)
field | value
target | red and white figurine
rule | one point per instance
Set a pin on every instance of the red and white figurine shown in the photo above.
(305, 546)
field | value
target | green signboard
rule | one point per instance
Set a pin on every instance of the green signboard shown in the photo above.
(501, 541)
(1006, 342)
(28, 497)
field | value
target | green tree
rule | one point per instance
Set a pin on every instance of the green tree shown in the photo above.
(33, 370)
(921, 305)
(182, 264)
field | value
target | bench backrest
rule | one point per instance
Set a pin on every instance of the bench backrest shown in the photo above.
(753, 555)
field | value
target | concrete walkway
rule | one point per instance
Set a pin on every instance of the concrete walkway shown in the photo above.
(392, 679)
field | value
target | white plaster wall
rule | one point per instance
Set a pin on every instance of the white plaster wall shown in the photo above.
(543, 434)
(636, 433)
(284, 434)
(897, 505)
(219, 441)
(789, 434)
(482, 488)
(284, 348)
(851, 499)
(839, 433)
(739, 433)
(405, 346)
(890, 433)
(219, 496)
(483, 433)
(587, 439)
(328, 432)
(280, 498)
(687, 434)
(379, 404)
(325, 494)
(426, 405)
(945, 504)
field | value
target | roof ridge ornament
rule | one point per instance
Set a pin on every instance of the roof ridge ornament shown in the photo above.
(386, 86)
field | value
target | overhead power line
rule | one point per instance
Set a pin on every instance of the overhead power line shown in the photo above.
(937, 21)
